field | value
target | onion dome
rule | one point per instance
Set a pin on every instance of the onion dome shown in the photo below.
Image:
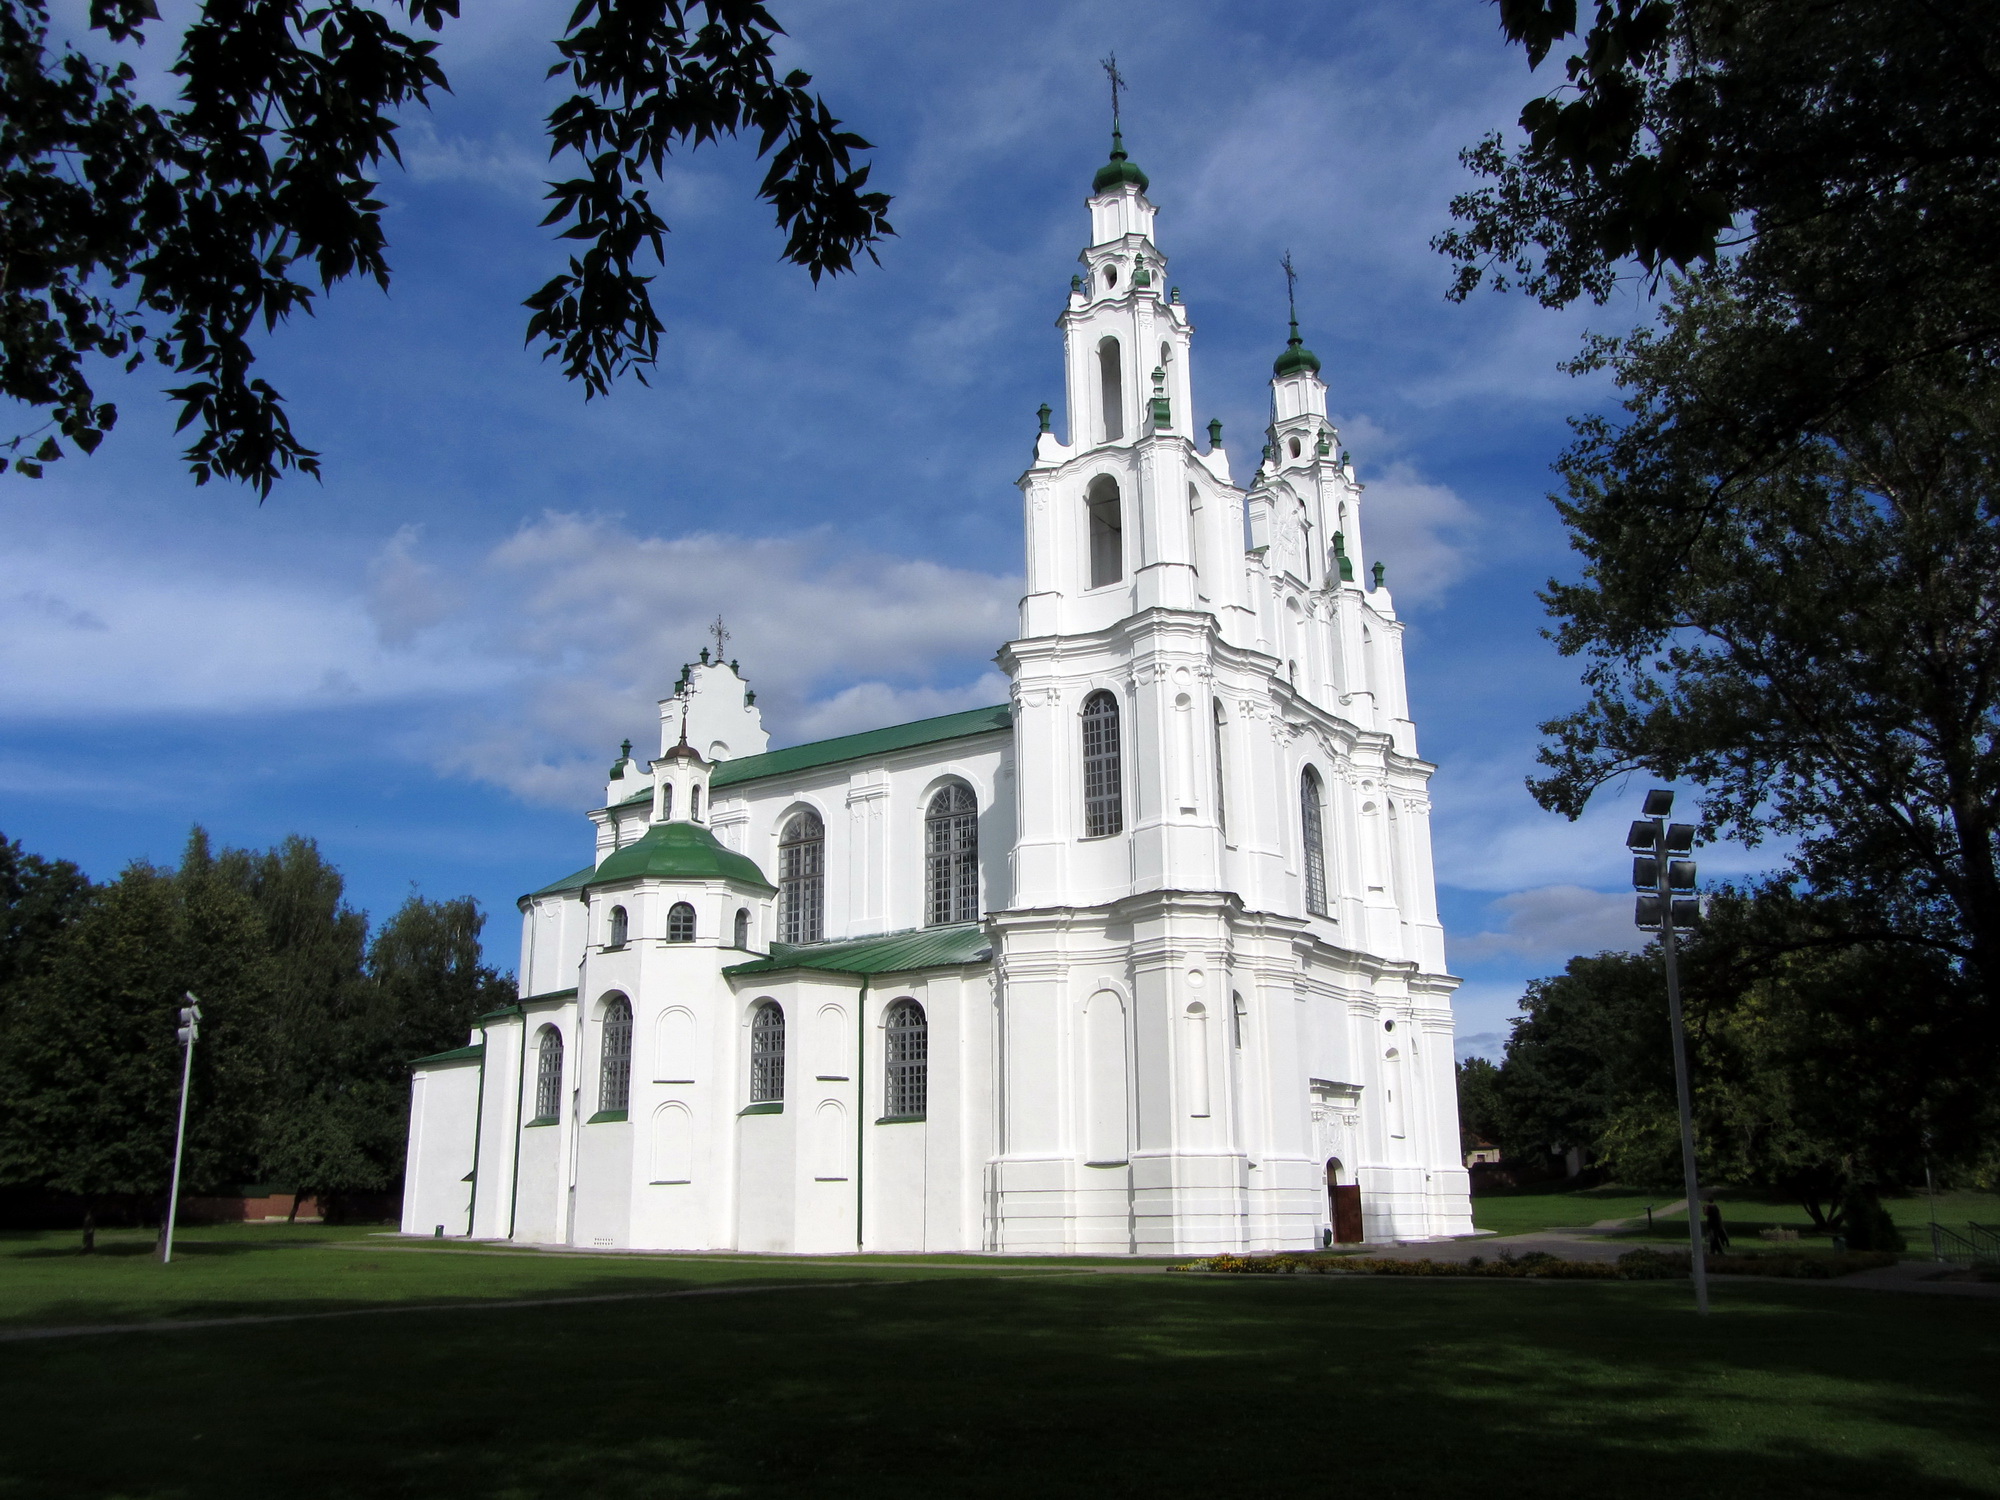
(1297, 357)
(1119, 169)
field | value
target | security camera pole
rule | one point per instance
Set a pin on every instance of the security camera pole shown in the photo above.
(190, 1028)
(1669, 905)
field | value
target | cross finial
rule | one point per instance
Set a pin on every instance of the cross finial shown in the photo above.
(1291, 291)
(1110, 66)
(720, 635)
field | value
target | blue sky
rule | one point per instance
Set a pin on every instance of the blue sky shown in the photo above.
(427, 660)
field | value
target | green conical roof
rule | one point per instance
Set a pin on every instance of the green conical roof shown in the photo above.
(1296, 357)
(1120, 168)
(678, 851)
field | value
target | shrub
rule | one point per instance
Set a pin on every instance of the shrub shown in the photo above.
(1866, 1224)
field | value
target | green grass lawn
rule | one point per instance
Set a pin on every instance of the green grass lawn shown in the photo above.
(1525, 1210)
(962, 1380)
(1747, 1212)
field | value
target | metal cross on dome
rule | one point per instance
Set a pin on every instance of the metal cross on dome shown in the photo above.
(1110, 66)
(1291, 285)
(720, 635)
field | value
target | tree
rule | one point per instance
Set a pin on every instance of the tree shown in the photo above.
(38, 899)
(1478, 1103)
(1843, 155)
(91, 1069)
(133, 232)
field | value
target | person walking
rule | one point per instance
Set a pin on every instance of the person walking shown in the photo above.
(1711, 1220)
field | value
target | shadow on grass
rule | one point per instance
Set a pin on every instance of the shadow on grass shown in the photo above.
(1100, 1386)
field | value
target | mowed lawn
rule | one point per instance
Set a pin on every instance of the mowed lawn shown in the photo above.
(785, 1378)
(1540, 1206)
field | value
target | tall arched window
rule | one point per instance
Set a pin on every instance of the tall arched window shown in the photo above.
(1314, 838)
(1103, 778)
(802, 878)
(694, 803)
(614, 1074)
(951, 856)
(1221, 772)
(549, 1076)
(614, 935)
(743, 927)
(680, 923)
(1111, 389)
(1107, 531)
(767, 1054)
(667, 803)
(907, 1086)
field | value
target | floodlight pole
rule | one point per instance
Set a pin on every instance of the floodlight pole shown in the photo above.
(1690, 1176)
(190, 1028)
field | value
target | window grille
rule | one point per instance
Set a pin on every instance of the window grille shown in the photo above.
(1315, 845)
(743, 927)
(1103, 789)
(767, 1054)
(907, 1087)
(802, 879)
(951, 851)
(615, 936)
(680, 923)
(549, 1076)
(614, 1077)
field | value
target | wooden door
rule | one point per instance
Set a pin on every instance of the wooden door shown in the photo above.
(1346, 1215)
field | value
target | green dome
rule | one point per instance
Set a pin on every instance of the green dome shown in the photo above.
(1119, 169)
(678, 851)
(1296, 357)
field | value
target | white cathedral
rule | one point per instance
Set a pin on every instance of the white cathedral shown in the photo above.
(1144, 961)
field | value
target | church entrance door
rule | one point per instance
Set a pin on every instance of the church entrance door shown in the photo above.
(1343, 1207)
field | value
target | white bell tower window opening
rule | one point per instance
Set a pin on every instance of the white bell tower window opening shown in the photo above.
(802, 879)
(694, 803)
(1103, 778)
(906, 1088)
(1314, 840)
(1110, 386)
(615, 929)
(680, 923)
(667, 803)
(1107, 531)
(767, 1053)
(742, 927)
(1110, 276)
(951, 856)
(614, 1074)
(1221, 774)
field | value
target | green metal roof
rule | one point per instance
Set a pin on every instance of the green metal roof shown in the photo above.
(568, 883)
(457, 1054)
(1296, 357)
(1121, 168)
(678, 851)
(884, 953)
(860, 746)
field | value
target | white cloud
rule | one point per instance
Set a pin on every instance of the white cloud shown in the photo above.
(1555, 922)
(1420, 531)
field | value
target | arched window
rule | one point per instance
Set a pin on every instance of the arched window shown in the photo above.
(743, 927)
(907, 1087)
(667, 803)
(549, 1076)
(680, 923)
(951, 856)
(1111, 389)
(694, 803)
(614, 1074)
(614, 936)
(1103, 780)
(1107, 532)
(1221, 772)
(802, 878)
(767, 1053)
(1314, 838)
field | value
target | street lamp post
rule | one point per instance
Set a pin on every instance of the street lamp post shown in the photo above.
(190, 1028)
(1667, 906)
